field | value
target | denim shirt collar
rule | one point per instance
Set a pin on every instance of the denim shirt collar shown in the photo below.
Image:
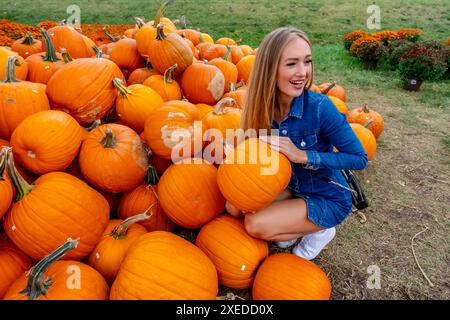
(296, 108)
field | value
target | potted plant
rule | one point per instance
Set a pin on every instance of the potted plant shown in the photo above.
(422, 63)
(369, 49)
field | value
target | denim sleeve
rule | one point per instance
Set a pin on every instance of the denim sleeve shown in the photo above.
(335, 128)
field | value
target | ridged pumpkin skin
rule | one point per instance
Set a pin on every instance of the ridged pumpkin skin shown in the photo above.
(139, 75)
(203, 83)
(70, 39)
(92, 284)
(253, 175)
(47, 141)
(117, 164)
(189, 194)
(62, 206)
(125, 54)
(20, 71)
(228, 69)
(363, 115)
(84, 88)
(245, 67)
(139, 200)
(163, 266)
(167, 89)
(13, 263)
(110, 251)
(285, 276)
(164, 126)
(18, 100)
(40, 70)
(367, 139)
(6, 187)
(340, 105)
(233, 251)
(26, 46)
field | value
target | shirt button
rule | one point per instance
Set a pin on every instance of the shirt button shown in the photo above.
(303, 143)
(284, 132)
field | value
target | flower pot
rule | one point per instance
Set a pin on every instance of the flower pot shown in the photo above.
(369, 64)
(412, 85)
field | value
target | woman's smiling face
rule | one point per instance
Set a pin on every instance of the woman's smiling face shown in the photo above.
(294, 69)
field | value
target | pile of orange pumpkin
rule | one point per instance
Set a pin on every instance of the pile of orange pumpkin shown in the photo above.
(88, 186)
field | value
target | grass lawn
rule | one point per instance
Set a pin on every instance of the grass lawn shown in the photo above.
(408, 182)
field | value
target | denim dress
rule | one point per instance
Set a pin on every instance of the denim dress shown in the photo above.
(316, 126)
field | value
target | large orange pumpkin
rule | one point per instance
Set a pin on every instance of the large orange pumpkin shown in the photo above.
(228, 69)
(165, 85)
(172, 128)
(125, 54)
(233, 251)
(84, 88)
(21, 70)
(245, 67)
(203, 83)
(65, 36)
(333, 89)
(162, 266)
(252, 175)
(47, 141)
(238, 95)
(139, 75)
(363, 115)
(18, 100)
(366, 137)
(13, 263)
(340, 105)
(285, 276)
(189, 194)
(26, 46)
(62, 206)
(117, 238)
(113, 158)
(135, 103)
(50, 279)
(6, 188)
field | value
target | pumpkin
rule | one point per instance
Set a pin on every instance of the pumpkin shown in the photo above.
(116, 240)
(245, 66)
(113, 158)
(252, 175)
(125, 54)
(50, 279)
(190, 34)
(6, 188)
(165, 85)
(340, 105)
(21, 69)
(66, 207)
(163, 266)
(84, 88)
(363, 115)
(233, 251)
(169, 49)
(41, 66)
(215, 51)
(47, 141)
(139, 75)
(13, 263)
(28, 176)
(366, 137)
(246, 50)
(237, 94)
(135, 103)
(203, 83)
(65, 36)
(228, 69)
(26, 46)
(160, 163)
(189, 194)
(333, 89)
(173, 131)
(204, 109)
(207, 38)
(284, 276)
(142, 198)
(226, 41)
(18, 100)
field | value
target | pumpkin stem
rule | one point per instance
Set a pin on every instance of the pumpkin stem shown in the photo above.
(227, 55)
(161, 11)
(152, 176)
(168, 74)
(10, 76)
(160, 32)
(2, 164)
(218, 108)
(120, 231)
(28, 40)
(200, 37)
(37, 284)
(368, 123)
(66, 56)
(239, 84)
(118, 83)
(109, 141)
(50, 54)
(139, 22)
(94, 125)
(62, 22)
(331, 86)
(109, 35)
(20, 185)
(98, 52)
(365, 108)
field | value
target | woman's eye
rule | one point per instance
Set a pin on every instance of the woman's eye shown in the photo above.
(291, 64)
(308, 61)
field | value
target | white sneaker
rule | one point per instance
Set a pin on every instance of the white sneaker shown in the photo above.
(285, 244)
(312, 244)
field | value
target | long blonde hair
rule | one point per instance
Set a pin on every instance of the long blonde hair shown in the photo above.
(261, 100)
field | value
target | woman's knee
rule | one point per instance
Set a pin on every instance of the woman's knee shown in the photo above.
(256, 227)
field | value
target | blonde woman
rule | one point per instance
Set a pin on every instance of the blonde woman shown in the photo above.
(309, 126)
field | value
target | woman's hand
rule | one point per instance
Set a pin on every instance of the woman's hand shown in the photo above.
(286, 147)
